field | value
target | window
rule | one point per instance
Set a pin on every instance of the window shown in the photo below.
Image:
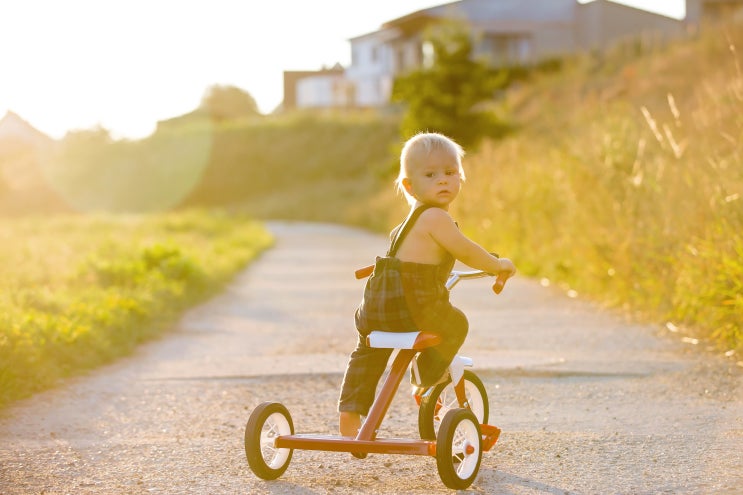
(399, 60)
(428, 54)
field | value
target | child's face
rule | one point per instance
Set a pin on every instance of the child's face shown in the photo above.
(435, 180)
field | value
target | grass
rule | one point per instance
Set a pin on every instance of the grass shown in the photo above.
(79, 291)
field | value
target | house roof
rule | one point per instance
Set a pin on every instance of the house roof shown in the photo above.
(485, 10)
(490, 15)
(382, 35)
(500, 16)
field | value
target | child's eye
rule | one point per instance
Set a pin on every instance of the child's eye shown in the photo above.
(429, 174)
(451, 172)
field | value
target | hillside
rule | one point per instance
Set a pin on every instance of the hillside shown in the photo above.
(624, 183)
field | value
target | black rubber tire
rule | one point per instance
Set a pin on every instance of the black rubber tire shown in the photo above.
(430, 413)
(459, 429)
(265, 461)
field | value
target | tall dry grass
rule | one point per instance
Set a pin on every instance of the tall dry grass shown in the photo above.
(626, 185)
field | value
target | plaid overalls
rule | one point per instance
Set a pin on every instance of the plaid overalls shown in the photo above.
(413, 297)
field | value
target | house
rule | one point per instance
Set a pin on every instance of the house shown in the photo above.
(506, 32)
(14, 129)
(20, 146)
(326, 88)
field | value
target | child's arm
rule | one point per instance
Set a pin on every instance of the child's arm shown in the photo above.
(445, 233)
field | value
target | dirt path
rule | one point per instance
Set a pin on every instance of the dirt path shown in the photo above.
(588, 404)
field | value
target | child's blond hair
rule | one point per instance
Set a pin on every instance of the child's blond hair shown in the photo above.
(418, 148)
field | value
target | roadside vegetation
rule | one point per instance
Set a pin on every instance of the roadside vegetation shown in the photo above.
(624, 183)
(79, 291)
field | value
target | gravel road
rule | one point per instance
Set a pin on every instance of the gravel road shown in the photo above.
(588, 403)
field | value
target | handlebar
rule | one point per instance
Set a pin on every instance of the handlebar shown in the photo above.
(364, 272)
(454, 277)
(500, 282)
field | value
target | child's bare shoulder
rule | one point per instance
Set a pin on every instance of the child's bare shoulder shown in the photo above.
(435, 216)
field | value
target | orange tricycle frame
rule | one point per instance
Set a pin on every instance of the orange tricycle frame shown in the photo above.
(366, 441)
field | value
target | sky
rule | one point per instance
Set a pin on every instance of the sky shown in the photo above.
(124, 65)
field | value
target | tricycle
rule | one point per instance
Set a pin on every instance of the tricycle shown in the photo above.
(452, 415)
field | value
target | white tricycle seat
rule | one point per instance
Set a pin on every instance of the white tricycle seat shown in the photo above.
(417, 341)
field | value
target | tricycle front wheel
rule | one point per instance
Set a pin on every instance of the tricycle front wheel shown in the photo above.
(459, 449)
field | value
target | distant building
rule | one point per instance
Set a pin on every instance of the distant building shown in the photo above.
(505, 32)
(23, 185)
(20, 146)
(326, 88)
(13, 129)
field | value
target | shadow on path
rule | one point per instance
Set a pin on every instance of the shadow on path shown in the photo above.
(506, 484)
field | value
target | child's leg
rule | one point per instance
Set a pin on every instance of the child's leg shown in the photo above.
(349, 423)
(365, 368)
(433, 362)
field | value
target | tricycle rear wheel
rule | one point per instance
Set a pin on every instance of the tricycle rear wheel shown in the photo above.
(268, 421)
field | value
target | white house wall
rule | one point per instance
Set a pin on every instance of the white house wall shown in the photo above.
(322, 91)
(371, 69)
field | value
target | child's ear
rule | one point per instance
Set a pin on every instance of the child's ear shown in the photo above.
(407, 185)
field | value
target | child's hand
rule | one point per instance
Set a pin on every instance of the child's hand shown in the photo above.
(507, 271)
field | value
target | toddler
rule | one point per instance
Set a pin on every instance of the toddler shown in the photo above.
(421, 256)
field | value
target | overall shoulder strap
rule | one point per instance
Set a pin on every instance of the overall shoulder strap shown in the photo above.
(405, 228)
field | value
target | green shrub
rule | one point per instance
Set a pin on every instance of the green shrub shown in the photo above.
(80, 291)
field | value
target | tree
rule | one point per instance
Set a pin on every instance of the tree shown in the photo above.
(228, 102)
(450, 95)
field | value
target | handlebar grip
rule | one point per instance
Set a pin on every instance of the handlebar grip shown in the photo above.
(500, 282)
(364, 272)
